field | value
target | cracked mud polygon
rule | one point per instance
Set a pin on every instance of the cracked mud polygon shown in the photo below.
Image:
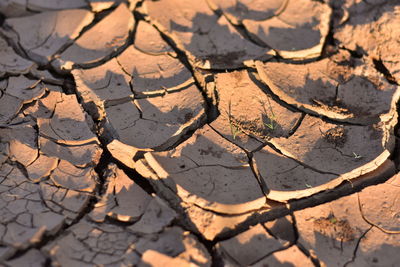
(199, 133)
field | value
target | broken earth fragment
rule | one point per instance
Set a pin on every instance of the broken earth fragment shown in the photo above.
(82, 155)
(246, 108)
(22, 143)
(124, 200)
(208, 171)
(249, 247)
(258, 10)
(98, 43)
(51, 31)
(209, 41)
(157, 216)
(41, 168)
(43, 5)
(10, 61)
(25, 89)
(32, 258)
(331, 86)
(294, 28)
(148, 40)
(68, 176)
(100, 5)
(162, 73)
(71, 128)
(286, 178)
(123, 153)
(357, 151)
(292, 256)
(157, 122)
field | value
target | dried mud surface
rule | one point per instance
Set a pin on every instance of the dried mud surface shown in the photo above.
(199, 133)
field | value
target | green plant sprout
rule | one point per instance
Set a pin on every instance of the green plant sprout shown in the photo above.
(234, 129)
(272, 118)
(333, 220)
(272, 123)
(308, 186)
(356, 156)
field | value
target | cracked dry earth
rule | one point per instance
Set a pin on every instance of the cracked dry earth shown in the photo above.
(199, 133)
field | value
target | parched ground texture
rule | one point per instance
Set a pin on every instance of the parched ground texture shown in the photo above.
(199, 133)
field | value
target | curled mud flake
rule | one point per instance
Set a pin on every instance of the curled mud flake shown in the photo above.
(47, 77)
(11, 62)
(293, 256)
(123, 153)
(100, 42)
(258, 10)
(44, 107)
(80, 155)
(282, 228)
(176, 243)
(161, 74)
(68, 176)
(44, 5)
(9, 107)
(207, 171)
(358, 155)
(22, 143)
(156, 217)
(319, 88)
(68, 125)
(287, 178)
(41, 168)
(297, 31)
(336, 136)
(209, 41)
(247, 111)
(124, 200)
(25, 89)
(148, 40)
(157, 122)
(332, 230)
(51, 31)
(107, 82)
(32, 258)
(249, 247)
(198, 219)
(100, 5)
